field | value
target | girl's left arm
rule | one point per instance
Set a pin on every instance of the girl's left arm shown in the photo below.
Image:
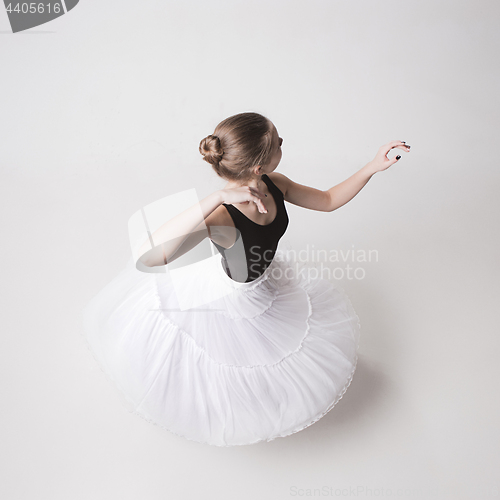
(335, 197)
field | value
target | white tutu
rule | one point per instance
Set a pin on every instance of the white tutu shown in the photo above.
(264, 360)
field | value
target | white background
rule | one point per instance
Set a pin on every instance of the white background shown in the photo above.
(102, 112)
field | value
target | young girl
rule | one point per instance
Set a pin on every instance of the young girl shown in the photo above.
(272, 349)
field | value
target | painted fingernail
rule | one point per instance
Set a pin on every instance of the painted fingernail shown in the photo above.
(398, 157)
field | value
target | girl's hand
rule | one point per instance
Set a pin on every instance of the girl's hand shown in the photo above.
(244, 194)
(381, 162)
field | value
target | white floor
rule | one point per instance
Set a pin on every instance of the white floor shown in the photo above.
(102, 113)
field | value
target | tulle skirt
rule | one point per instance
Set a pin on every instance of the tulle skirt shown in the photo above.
(222, 362)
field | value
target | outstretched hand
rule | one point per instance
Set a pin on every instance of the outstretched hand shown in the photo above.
(381, 162)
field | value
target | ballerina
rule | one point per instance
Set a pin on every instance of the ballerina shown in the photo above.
(272, 350)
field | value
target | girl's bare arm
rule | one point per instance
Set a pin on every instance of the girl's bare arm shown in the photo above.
(335, 197)
(186, 230)
(188, 225)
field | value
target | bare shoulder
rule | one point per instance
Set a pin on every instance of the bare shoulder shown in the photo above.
(220, 227)
(219, 217)
(281, 181)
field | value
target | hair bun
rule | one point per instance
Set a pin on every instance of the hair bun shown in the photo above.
(211, 149)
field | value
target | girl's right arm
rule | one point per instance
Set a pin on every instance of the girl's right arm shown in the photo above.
(171, 235)
(192, 224)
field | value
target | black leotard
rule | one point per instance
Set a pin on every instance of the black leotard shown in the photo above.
(259, 242)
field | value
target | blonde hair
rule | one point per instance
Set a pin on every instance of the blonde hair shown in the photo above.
(238, 144)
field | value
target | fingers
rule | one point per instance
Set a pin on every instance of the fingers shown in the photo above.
(260, 205)
(394, 145)
(398, 144)
(403, 146)
(394, 160)
(258, 197)
(390, 145)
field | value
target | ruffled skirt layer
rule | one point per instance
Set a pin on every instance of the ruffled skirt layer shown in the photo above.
(221, 362)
